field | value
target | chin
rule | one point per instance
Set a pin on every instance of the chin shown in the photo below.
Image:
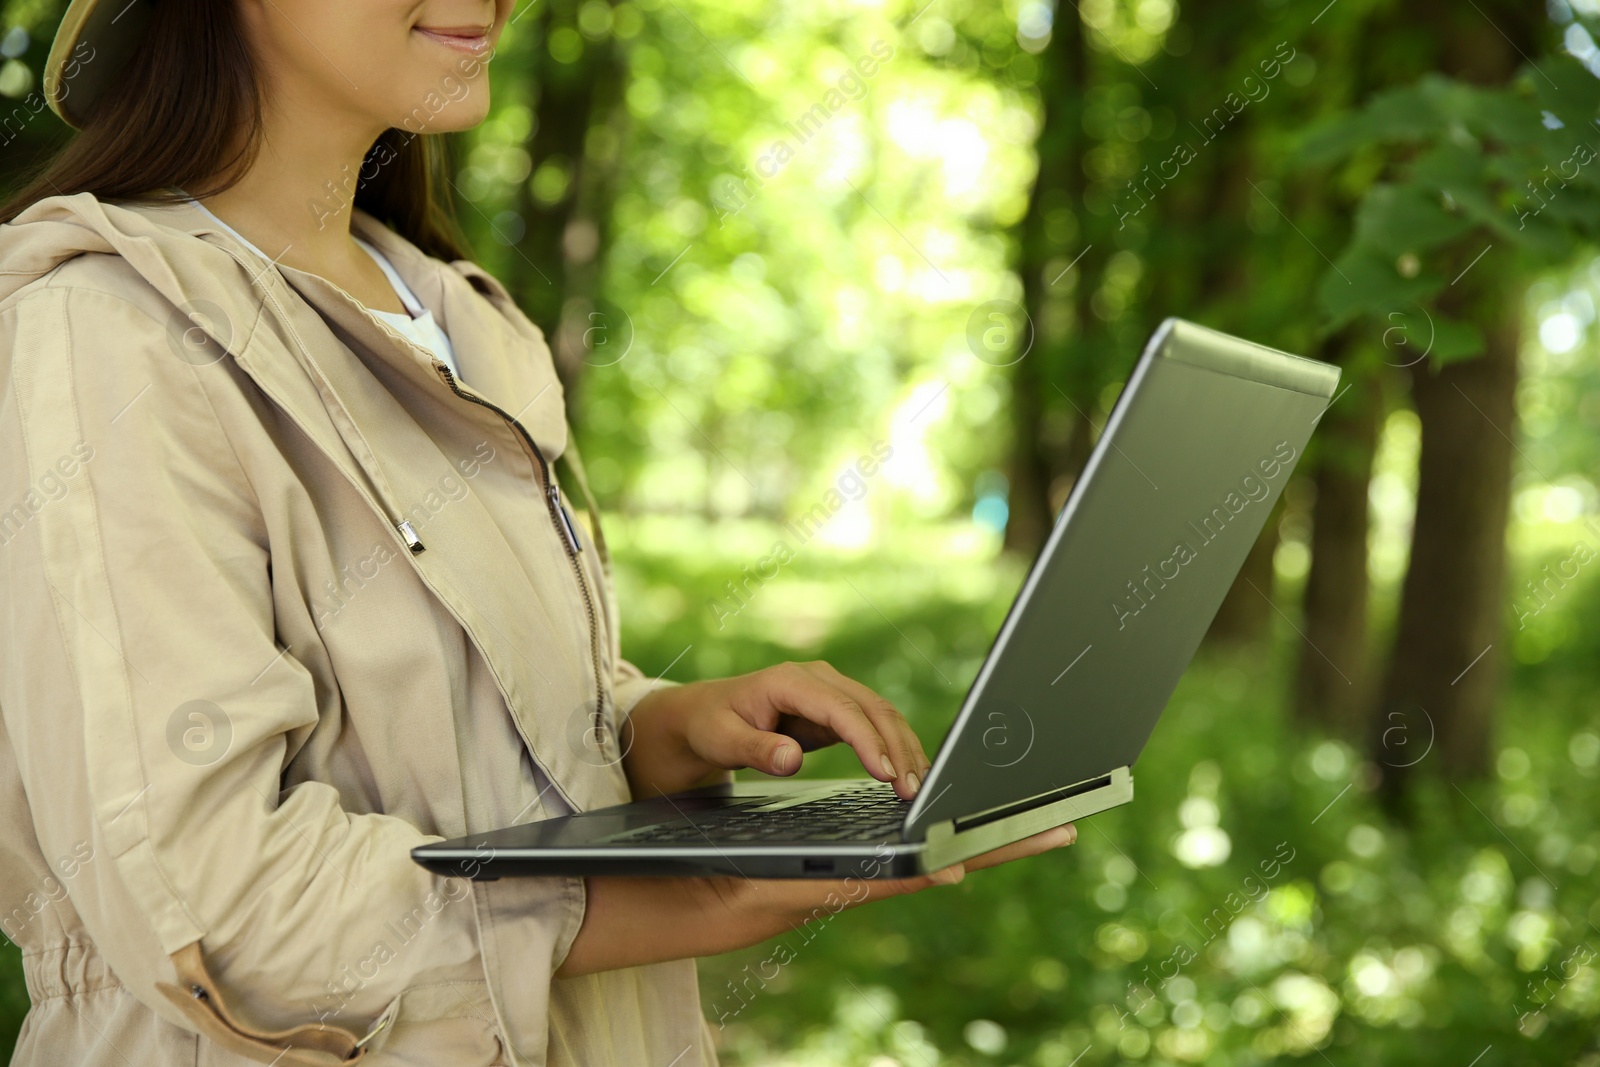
(453, 117)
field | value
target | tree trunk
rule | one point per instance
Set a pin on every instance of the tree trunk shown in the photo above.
(1034, 468)
(1247, 610)
(1029, 516)
(1445, 670)
(1331, 672)
(554, 273)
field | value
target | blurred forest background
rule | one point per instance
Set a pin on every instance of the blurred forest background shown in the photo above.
(768, 239)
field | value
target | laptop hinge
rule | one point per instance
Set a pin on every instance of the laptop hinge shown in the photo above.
(969, 822)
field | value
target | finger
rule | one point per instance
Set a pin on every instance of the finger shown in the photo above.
(811, 896)
(811, 736)
(790, 688)
(905, 750)
(895, 887)
(1055, 837)
(727, 739)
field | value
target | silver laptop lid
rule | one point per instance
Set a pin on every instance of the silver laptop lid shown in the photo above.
(1194, 456)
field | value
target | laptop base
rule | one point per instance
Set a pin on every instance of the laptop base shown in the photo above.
(575, 844)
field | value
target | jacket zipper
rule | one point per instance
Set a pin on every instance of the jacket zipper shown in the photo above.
(563, 523)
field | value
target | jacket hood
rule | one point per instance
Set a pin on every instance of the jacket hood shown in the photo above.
(196, 265)
(160, 242)
(216, 284)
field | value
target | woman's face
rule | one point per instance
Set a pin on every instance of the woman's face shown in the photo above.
(419, 65)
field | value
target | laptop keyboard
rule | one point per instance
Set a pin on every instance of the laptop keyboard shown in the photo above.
(864, 813)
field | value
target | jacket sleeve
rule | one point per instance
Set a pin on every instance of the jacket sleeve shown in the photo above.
(153, 711)
(629, 685)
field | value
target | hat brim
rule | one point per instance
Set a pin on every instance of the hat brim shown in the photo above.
(95, 40)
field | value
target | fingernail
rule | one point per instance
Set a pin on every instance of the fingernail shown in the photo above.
(783, 759)
(913, 781)
(888, 767)
(950, 875)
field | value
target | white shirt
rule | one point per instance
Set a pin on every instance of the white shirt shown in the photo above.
(417, 324)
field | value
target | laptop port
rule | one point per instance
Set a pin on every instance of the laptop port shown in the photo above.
(817, 866)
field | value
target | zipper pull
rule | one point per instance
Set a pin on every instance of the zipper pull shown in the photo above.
(554, 493)
(409, 532)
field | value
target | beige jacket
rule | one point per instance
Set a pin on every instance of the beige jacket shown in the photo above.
(237, 689)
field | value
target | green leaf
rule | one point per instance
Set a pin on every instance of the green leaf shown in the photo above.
(1365, 282)
(1564, 87)
(1399, 115)
(1395, 219)
(1472, 183)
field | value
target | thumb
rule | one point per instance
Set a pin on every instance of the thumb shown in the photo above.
(783, 756)
(733, 743)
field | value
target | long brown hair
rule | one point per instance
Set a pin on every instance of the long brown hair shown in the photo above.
(174, 117)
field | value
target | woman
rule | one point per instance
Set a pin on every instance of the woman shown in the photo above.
(292, 586)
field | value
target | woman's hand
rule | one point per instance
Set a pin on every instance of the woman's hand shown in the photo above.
(629, 922)
(690, 735)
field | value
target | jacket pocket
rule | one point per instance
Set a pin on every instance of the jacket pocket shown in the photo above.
(308, 1045)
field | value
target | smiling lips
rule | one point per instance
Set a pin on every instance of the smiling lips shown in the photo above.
(474, 40)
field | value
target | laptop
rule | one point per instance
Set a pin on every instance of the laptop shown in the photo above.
(1193, 457)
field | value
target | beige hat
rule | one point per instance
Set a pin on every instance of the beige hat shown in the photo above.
(95, 40)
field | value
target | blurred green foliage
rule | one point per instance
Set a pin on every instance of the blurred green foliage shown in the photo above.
(1253, 905)
(781, 304)
(1512, 162)
(778, 289)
